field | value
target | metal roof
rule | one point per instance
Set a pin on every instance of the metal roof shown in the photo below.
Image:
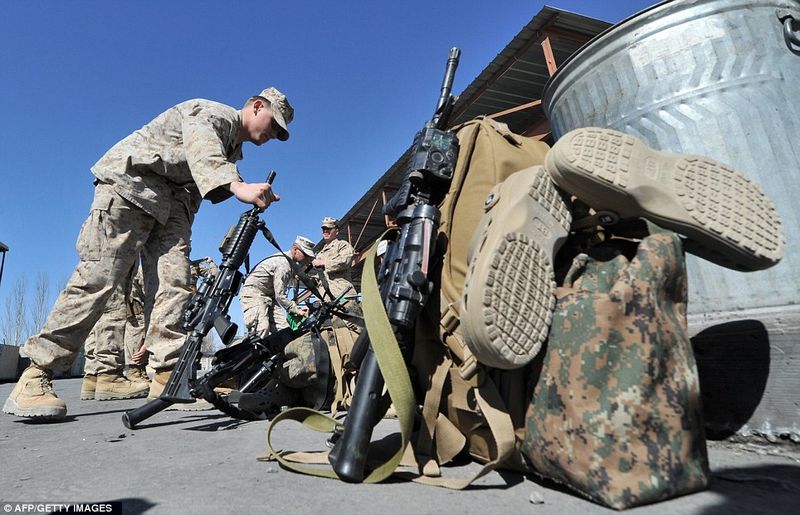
(515, 77)
(519, 72)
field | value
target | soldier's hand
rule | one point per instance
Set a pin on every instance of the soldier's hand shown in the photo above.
(319, 263)
(140, 356)
(258, 194)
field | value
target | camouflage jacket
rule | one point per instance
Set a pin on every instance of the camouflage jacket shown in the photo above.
(338, 255)
(184, 155)
(267, 283)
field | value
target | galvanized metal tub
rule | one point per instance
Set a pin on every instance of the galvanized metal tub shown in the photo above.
(716, 78)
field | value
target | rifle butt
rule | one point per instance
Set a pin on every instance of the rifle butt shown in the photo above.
(349, 455)
(131, 418)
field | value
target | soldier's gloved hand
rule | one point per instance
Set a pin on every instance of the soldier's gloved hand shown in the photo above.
(257, 194)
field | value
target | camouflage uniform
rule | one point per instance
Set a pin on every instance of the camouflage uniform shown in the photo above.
(148, 189)
(264, 294)
(119, 331)
(135, 328)
(338, 255)
(206, 272)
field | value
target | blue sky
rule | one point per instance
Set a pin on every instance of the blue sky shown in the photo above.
(76, 77)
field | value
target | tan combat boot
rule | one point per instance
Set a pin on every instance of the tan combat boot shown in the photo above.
(157, 388)
(137, 375)
(510, 286)
(113, 385)
(33, 396)
(160, 380)
(725, 217)
(158, 383)
(88, 387)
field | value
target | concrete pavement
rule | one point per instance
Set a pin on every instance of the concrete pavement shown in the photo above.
(204, 462)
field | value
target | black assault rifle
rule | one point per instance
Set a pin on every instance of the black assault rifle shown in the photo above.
(403, 278)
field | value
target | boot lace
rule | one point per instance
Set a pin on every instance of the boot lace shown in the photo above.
(46, 383)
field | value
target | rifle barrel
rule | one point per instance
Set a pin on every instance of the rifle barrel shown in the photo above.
(447, 81)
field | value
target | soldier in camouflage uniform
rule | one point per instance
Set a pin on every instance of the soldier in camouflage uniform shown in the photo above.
(304, 374)
(335, 257)
(264, 291)
(114, 342)
(148, 188)
(209, 271)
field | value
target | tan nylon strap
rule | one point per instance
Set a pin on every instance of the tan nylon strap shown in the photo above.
(430, 414)
(449, 440)
(311, 419)
(390, 361)
(502, 428)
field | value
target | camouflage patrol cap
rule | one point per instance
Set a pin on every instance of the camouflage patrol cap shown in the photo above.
(330, 222)
(305, 245)
(282, 111)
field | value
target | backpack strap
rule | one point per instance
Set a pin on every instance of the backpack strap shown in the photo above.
(493, 409)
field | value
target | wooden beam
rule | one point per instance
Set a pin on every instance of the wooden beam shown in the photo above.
(549, 58)
(522, 107)
(365, 223)
(386, 220)
(569, 36)
(499, 73)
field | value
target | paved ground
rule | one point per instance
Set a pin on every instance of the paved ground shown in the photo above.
(204, 462)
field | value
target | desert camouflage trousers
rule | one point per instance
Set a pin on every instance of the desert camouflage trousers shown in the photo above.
(113, 235)
(263, 315)
(116, 335)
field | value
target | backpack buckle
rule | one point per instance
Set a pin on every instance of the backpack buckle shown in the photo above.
(450, 320)
(470, 372)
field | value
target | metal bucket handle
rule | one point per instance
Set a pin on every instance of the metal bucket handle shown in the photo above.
(790, 34)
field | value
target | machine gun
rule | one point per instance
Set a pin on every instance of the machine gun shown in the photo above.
(403, 278)
(209, 309)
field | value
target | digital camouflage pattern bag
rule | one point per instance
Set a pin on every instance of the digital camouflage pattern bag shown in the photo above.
(616, 413)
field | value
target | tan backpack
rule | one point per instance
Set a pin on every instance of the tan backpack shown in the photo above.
(467, 403)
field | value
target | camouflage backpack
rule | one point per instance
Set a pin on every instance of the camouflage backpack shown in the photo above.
(616, 413)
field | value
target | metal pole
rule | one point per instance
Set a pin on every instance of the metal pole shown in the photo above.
(3, 249)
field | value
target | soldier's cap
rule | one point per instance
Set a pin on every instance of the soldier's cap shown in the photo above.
(330, 223)
(305, 245)
(282, 111)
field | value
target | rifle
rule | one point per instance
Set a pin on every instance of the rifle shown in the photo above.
(209, 309)
(403, 278)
